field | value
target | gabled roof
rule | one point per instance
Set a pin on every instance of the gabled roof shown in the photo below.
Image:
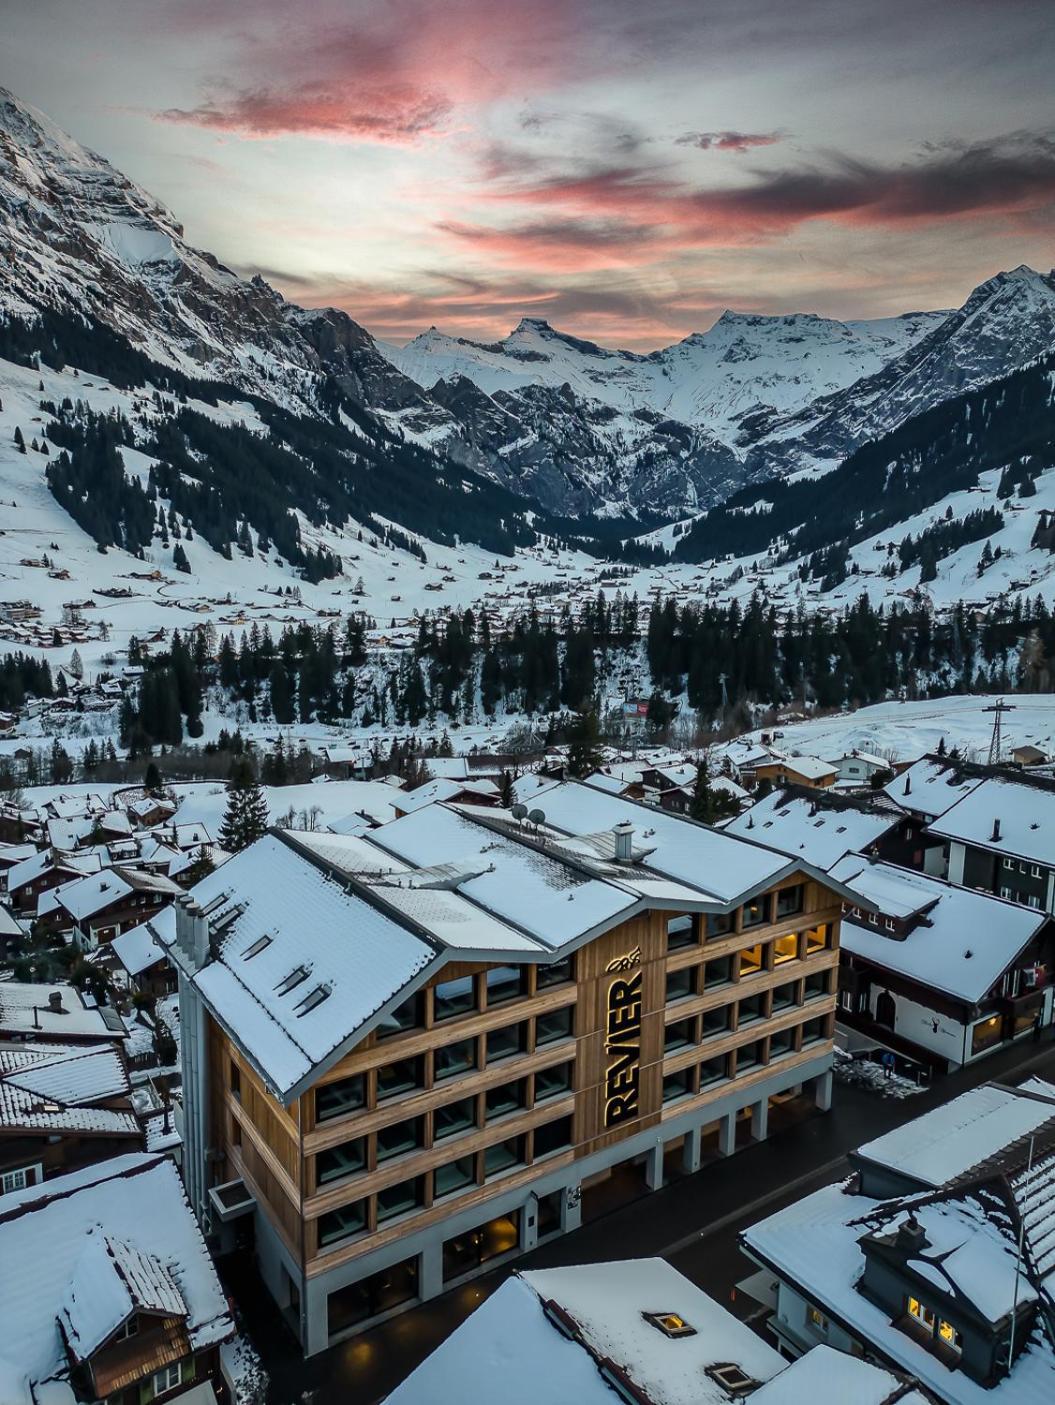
(142, 947)
(83, 861)
(57, 1088)
(929, 787)
(1025, 813)
(800, 827)
(113, 1279)
(25, 1009)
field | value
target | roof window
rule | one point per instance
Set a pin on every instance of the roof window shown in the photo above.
(313, 1000)
(671, 1324)
(732, 1378)
(295, 977)
(257, 947)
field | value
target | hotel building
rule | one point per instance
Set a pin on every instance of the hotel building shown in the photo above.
(413, 1054)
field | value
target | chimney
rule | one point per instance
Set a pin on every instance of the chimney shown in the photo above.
(911, 1236)
(192, 931)
(624, 840)
(996, 832)
(55, 1006)
(908, 784)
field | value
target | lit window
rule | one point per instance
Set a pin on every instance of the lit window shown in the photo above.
(921, 1313)
(816, 939)
(816, 1319)
(751, 960)
(755, 913)
(671, 1324)
(786, 948)
(948, 1334)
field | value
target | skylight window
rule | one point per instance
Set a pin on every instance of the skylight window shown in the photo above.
(313, 1000)
(732, 1378)
(295, 977)
(257, 947)
(671, 1324)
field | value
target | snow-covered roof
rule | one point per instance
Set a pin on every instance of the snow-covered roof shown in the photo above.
(442, 788)
(25, 1008)
(85, 861)
(951, 1139)
(1026, 816)
(802, 828)
(54, 1088)
(136, 1202)
(929, 787)
(826, 1375)
(83, 897)
(510, 1350)
(140, 947)
(111, 1280)
(963, 945)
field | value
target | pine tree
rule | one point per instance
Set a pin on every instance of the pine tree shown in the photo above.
(245, 819)
(584, 750)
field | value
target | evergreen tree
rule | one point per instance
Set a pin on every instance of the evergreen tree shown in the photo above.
(584, 749)
(710, 804)
(245, 819)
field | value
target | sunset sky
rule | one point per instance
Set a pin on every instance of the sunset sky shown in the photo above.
(624, 168)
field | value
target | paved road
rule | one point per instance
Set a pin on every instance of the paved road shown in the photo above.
(693, 1222)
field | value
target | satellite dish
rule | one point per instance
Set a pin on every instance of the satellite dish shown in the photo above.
(537, 817)
(519, 812)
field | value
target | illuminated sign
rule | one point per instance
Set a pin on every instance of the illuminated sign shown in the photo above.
(622, 1045)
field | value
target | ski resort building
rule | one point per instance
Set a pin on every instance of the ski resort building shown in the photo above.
(412, 1054)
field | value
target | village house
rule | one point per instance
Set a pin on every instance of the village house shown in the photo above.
(55, 1012)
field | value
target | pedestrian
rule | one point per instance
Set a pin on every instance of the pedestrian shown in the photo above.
(888, 1064)
(1037, 1026)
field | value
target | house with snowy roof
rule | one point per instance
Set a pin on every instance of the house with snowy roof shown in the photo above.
(115, 1297)
(943, 973)
(99, 906)
(411, 1054)
(821, 829)
(1000, 837)
(62, 1106)
(937, 1258)
(39, 873)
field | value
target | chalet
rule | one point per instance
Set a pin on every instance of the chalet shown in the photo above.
(30, 880)
(115, 1297)
(412, 1054)
(50, 1013)
(142, 952)
(481, 792)
(858, 767)
(779, 769)
(11, 854)
(821, 829)
(1000, 837)
(100, 905)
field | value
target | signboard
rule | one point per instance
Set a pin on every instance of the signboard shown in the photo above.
(622, 1045)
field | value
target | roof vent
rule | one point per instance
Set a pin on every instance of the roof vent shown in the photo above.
(295, 978)
(313, 1000)
(996, 832)
(624, 841)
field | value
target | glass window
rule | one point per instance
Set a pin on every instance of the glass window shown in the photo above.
(506, 1098)
(552, 1136)
(780, 1043)
(335, 1099)
(751, 960)
(786, 948)
(456, 1175)
(751, 1009)
(716, 1021)
(168, 1378)
(719, 972)
(986, 1033)
(713, 1070)
(681, 931)
(409, 1015)
(369, 1297)
(790, 900)
(748, 1056)
(503, 1155)
(556, 973)
(816, 939)
(400, 1138)
(949, 1336)
(450, 998)
(784, 997)
(553, 1082)
(475, 1247)
(679, 1035)
(553, 1025)
(813, 1030)
(756, 913)
(452, 1118)
(921, 1313)
(816, 985)
(680, 984)
(401, 1077)
(453, 1059)
(342, 1223)
(719, 924)
(677, 1085)
(504, 1043)
(398, 1199)
(236, 1081)
(339, 1161)
(504, 983)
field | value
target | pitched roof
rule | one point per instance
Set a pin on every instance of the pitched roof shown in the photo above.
(56, 1088)
(111, 1280)
(800, 827)
(1026, 816)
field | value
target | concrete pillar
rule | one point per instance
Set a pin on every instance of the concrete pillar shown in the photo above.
(822, 1091)
(314, 1318)
(760, 1120)
(727, 1134)
(690, 1152)
(430, 1271)
(654, 1167)
(957, 854)
(529, 1224)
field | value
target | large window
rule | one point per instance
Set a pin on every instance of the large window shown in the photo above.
(401, 1077)
(716, 1021)
(780, 1043)
(714, 1070)
(677, 1085)
(817, 939)
(719, 924)
(756, 913)
(719, 972)
(489, 1241)
(453, 1059)
(790, 901)
(503, 1155)
(450, 998)
(506, 1098)
(455, 1176)
(453, 1118)
(342, 1223)
(784, 997)
(555, 973)
(409, 1015)
(681, 984)
(400, 1199)
(751, 1009)
(748, 1056)
(816, 985)
(336, 1099)
(786, 948)
(681, 931)
(986, 1034)
(504, 983)
(679, 1035)
(813, 1030)
(751, 960)
(552, 1136)
(504, 1043)
(553, 1082)
(553, 1025)
(381, 1292)
(340, 1161)
(400, 1137)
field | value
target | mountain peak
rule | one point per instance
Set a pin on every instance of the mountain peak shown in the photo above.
(531, 324)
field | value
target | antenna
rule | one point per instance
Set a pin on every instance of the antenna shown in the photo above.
(996, 742)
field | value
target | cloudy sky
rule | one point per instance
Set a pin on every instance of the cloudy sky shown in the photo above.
(624, 168)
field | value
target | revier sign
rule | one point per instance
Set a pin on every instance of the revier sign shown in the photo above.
(622, 1045)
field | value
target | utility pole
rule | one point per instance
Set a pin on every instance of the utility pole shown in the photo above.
(996, 741)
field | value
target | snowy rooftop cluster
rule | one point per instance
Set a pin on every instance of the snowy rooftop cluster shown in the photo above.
(801, 825)
(65, 1088)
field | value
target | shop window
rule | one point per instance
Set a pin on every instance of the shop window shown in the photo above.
(340, 1161)
(469, 1251)
(680, 984)
(504, 1043)
(786, 948)
(553, 1082)
(679, 1035)
(718, 972)
(681, 931)
(453, 1059)
(554, 973)
(554, 1025)
(508, 1097)
(452, 998)
(751, 960)
(717, 1021)
(455, 1176)
(342, 1223)
(986, 1034)
(552, 1137)
(337, 1099)
(755, 913)
(400, 1199)
(791, 900)
(401, 1077)
(452, 1118)
(719, 924)
(503, 1156)
(677, 1085)
(409, 1015)
(400, 1138)
(504, 983)
(381, 1292)
(713, 1070)
(817, 938)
